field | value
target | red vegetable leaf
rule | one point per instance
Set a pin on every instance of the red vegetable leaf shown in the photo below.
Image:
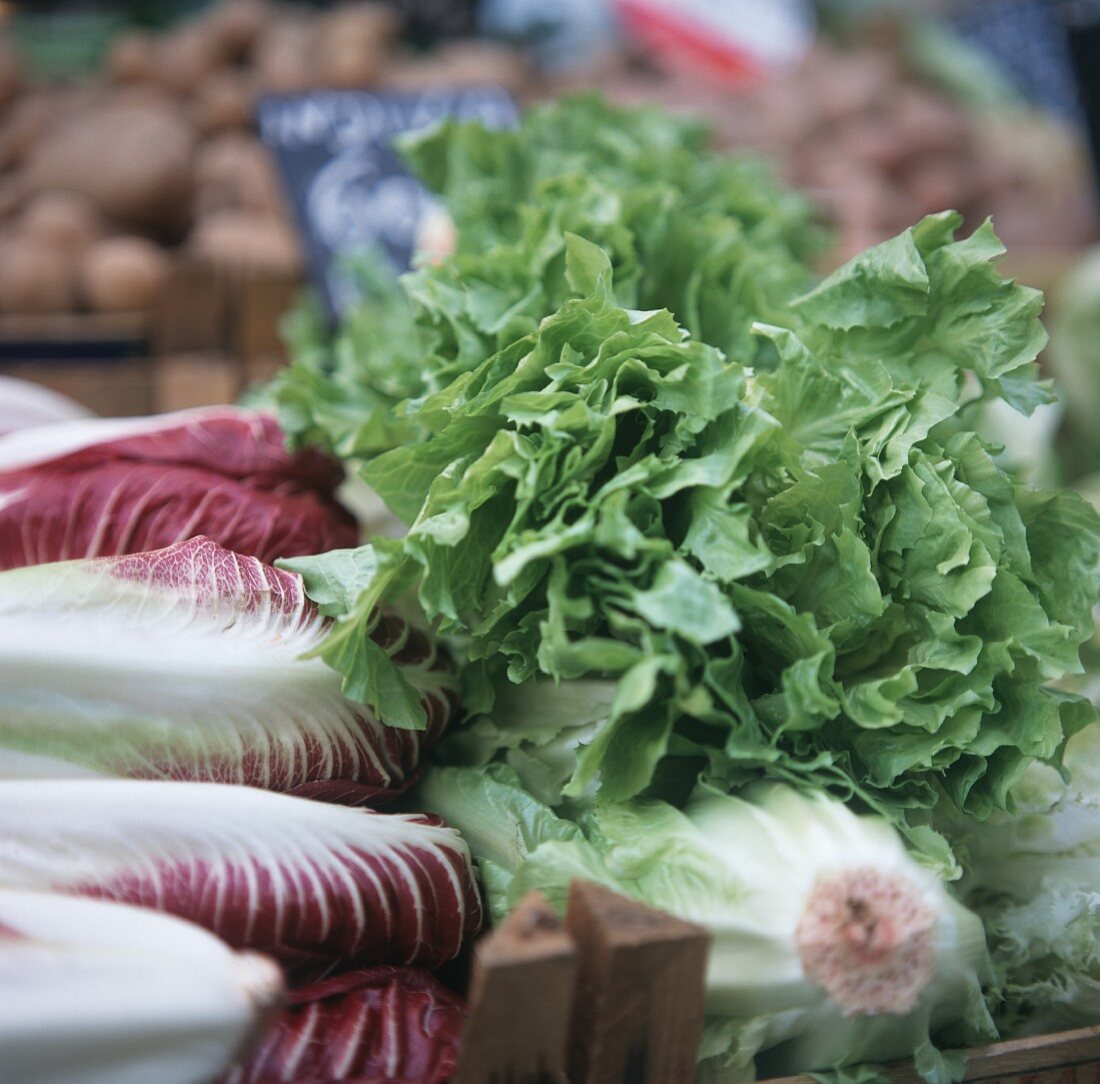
(105, 486)
(187, 663)
(296, 879)
(383, 1025)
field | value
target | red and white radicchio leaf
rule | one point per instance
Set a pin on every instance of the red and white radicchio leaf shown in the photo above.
(386, 1024)
(99, 993)
(107, 486)
(186, 663)
(297, 879)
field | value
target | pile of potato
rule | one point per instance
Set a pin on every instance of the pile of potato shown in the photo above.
(878, 147)
(103, 181)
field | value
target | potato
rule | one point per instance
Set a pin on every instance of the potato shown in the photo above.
(789, 114)
(62, 220)
(132, 59)
(370, 24)
(839, 182)
(24, 125)
(283, 57)
(458, 64)
(936, 182)
(351, 45)
(345, 65)
(224, 102)
(147, 96)
(11, 73)
(35, 278)
(123, 274)
(855, 83)
(244, 240)
(851, 240)
(928, 122)
(480, 63)
(185, 58)
(13, 192)
(876, 141)
(236, 172)
(133, 161)
(235, 26)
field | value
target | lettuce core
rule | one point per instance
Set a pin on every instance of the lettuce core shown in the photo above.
(866, 937)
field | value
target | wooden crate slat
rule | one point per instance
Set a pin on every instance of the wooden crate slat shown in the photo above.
(1069, 1057)
(117, 388)
(640, 988)
(196, 314)
(184, 381)
(521, 1001)
(63, 327)
(1021, 1056)
(262, 300)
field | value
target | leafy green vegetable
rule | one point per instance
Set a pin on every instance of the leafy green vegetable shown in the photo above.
(693, 524)
(831, 946)
(1035, 879)
(814, 573)
(1075, 362)
(712, 238)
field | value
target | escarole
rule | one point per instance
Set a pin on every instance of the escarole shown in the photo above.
(831, 946)
(814, 573)
(716, 240)
(190, 663)
(1034, 876)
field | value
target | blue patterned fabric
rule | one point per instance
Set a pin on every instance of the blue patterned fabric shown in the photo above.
(1027, 38)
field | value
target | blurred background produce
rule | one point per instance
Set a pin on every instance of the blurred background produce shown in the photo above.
(143, 222)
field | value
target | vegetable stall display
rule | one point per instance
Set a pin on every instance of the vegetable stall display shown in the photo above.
(734, 611)
(687, 547)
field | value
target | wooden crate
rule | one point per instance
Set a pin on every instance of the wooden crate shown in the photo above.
(101, 361)
(614, 995)
(230, 320)
(215, 334)
(1070, 1057)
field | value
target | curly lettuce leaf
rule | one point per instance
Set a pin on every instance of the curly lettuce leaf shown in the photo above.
(815, 574)
(714, 239)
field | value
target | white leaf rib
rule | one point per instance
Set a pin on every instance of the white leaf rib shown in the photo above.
(324, 862)
(391, 1013)
(312, 1023)
(204, 646)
